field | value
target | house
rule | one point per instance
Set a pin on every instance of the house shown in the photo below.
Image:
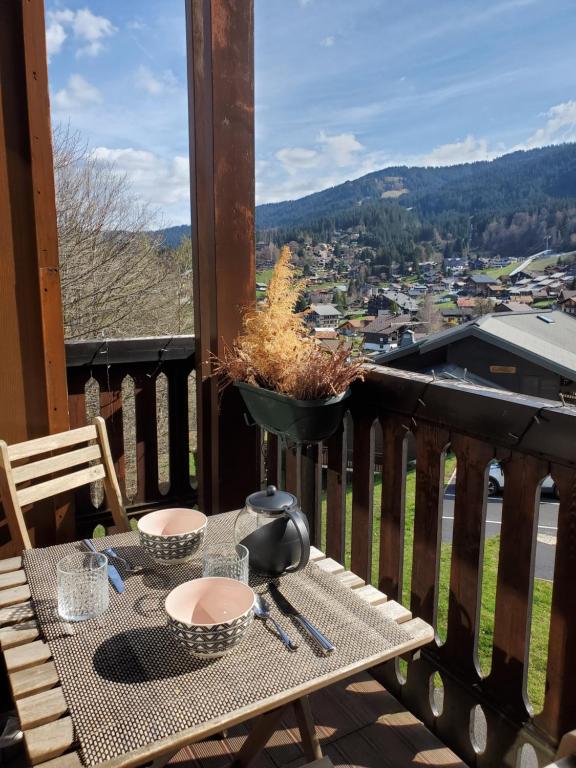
(479, 285)
(458, 315)
(354, 326)
(528, 352)
(511, 306)
(392, 300)
(567, 301)
(323, 316)
(385, 330)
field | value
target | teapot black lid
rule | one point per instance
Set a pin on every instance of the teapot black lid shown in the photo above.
(271, 500)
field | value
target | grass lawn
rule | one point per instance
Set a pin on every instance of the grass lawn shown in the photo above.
(542, 590)
(264, 275)
(500, 271)
(446, 305)
(544, 304)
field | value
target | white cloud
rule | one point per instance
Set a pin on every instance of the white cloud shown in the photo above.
(154, 84)
(295, 158)
(88, 30)
(341, 148)
(162, 182)
(559, 128)
(469, 150)
(328, 42)
(78, 93)
(55, 36)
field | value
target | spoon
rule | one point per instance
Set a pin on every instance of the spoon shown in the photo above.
(262, 611)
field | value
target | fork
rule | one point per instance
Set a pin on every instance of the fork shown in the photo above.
(126, 564)
(262, 611)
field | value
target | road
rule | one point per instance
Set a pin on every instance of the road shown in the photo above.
(547, 528)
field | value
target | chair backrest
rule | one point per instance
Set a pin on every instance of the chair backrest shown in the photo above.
(69, 459)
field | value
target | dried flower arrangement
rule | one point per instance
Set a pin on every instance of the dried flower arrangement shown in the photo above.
(275, 351)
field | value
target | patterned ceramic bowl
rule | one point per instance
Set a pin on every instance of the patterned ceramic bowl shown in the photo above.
(210, 616)
(172, 536)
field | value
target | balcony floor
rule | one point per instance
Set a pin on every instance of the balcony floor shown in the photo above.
(359, 724)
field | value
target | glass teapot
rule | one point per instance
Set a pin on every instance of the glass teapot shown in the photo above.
(275, 531)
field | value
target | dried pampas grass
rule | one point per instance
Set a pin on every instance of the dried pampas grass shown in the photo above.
(274, 350)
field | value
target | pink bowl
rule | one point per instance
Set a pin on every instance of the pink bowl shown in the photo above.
(172, 536)
(172, 522)
(210, 616)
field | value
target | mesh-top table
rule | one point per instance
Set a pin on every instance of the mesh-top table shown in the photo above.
(119, 691)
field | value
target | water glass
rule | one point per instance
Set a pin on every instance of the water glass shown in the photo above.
(229, 560)
(82, 586)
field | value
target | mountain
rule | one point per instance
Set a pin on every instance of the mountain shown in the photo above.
(508, 205)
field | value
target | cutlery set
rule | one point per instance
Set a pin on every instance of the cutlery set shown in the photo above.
(261, 606)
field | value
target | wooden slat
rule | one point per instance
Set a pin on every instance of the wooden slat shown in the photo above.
(41, 708)
(371, 595)
(316, 554)
(51, 443)
(351, 580)
(311, 489)
(33, 680)
(362, 493)
(395, 612)
(522, 476)
(55, 463)
(336, 494)
(557, 716)
(60, 484)
(28, 655)
(69, 760)
(473, 458)
(48, 741)
(273, 456)
(178, 429)
(419, 629)
(430, 444)
(14, 595)
(18, 634)
(10, 564)
(330, 566)
(17, 612)
(392, 505)
(12, 579)
(111, 407)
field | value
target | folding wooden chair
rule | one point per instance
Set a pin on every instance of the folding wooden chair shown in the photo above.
(22, 464)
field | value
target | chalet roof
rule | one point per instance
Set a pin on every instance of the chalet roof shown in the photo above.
(325, 310)
(546, 338)
(483, 279)
(387, 323)
(513, 306)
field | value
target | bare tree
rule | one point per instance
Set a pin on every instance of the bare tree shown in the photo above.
(116, 278)
(429, 315)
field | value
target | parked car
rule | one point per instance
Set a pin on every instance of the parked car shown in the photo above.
(496, 482)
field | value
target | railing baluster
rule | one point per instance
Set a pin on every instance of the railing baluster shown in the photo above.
(472, 458)
(178, 435)
(293, 474)
(110, 382)
(362, 492)
(273, 456)
(559, 713)
(77, 380)
(522, 475)
(311, 489)
(392, 506)
(430, 444)
(336, 494)
(146, 437)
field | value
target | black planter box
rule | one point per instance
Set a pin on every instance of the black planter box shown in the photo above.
(302, 421)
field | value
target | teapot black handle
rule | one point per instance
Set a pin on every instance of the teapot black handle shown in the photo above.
(302, 531)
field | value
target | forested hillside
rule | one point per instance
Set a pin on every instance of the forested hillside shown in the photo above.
(509, 205)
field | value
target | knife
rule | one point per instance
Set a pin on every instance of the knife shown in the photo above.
(288, 610)
(113, 574)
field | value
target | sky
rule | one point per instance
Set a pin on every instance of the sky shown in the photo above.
(343, 87)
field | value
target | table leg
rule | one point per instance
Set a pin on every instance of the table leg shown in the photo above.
(307, 728)
(258, 738)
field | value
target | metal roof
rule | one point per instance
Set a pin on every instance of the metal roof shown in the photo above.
(328, 310)
(547, 338)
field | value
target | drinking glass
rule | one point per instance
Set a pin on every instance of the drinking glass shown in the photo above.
(82, 586)
(229, 560)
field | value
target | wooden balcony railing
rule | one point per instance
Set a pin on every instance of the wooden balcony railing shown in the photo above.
(395, 416)
(531, 439)
(120, 379)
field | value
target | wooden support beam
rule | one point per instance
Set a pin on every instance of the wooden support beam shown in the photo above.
(33, 370)
(220, 36)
